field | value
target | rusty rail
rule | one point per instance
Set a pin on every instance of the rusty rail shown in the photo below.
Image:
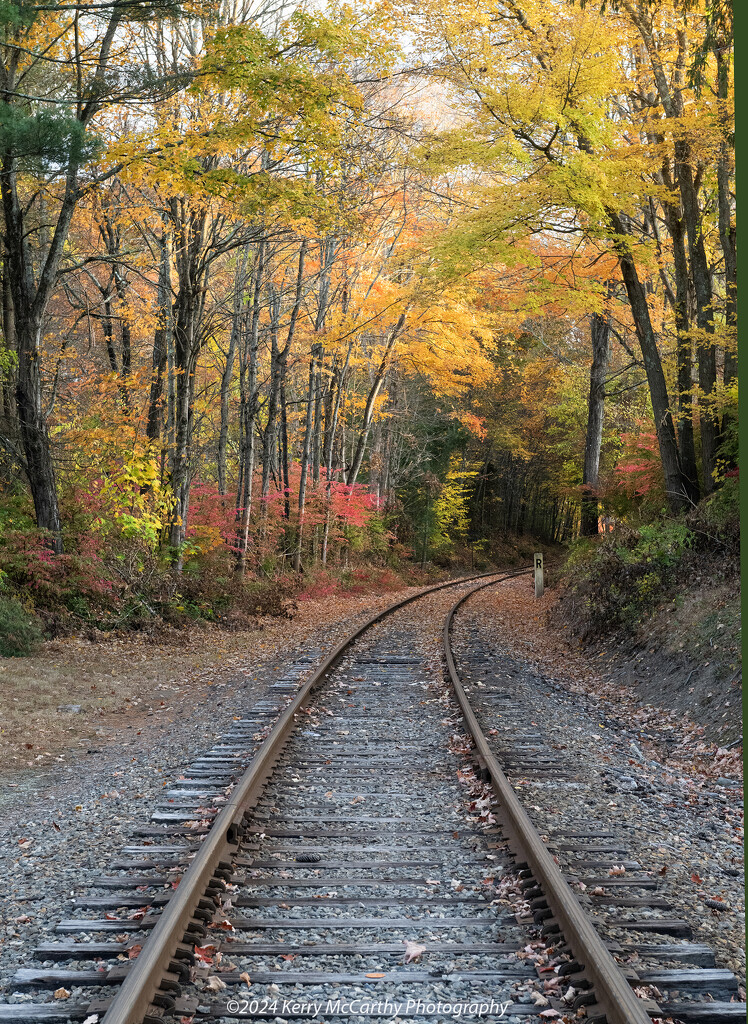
(614, 996)
(154, 977)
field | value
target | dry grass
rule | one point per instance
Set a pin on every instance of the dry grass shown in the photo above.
(123, 680)
(122, 677)
(707, 619)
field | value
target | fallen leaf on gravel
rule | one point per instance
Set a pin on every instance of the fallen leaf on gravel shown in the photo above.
(288, 956)
(412, 951)
(375, 974)
(92, 1019)
(648, 992)
(205, 953)
(549, 1013)
(24, 843)
(111, 917)
(61, 993)
(617, 870)
(133, 952)
(215, 984)
(539, 999)
(23, 919)
(246, 978)
(696, 878)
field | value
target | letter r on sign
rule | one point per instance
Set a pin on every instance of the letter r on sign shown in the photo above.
(538, 574)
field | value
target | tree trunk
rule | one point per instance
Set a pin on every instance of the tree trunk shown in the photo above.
(376, 387)
(223, 431)
(332, 413)
(107, 324)
(600, 335)
(676, 486)
(275, 431)
(9, 337)
(189, 238)
(269, 435)
(317, 432)
(171, 394)
(180, 472)
(228, 369)
(31, 294)
(160, 342)
(29, 305)
(284, 452)
(688, 186)
(727, 233)
(327, 256)
(34, 433)
(125, 342)
(250, 407)
(706, 355)
(686, 444)
(305, 456)
(727, 239)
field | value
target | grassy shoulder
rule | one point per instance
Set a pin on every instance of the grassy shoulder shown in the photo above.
(75, 691)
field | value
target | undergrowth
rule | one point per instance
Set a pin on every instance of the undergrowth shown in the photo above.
(614, 581)
(47, 596)
(19, 631)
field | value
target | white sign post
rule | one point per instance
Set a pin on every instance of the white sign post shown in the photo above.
(538, 559)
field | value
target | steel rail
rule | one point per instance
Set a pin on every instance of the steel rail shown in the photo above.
(142, 988)
(614, 995)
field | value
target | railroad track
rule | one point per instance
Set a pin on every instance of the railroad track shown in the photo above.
(340, 854)
(622, 898)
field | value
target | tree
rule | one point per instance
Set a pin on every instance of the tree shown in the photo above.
(600, 336)
(564, 138)
(52, 97)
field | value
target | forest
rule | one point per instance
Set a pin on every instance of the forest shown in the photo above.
(293, 292)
